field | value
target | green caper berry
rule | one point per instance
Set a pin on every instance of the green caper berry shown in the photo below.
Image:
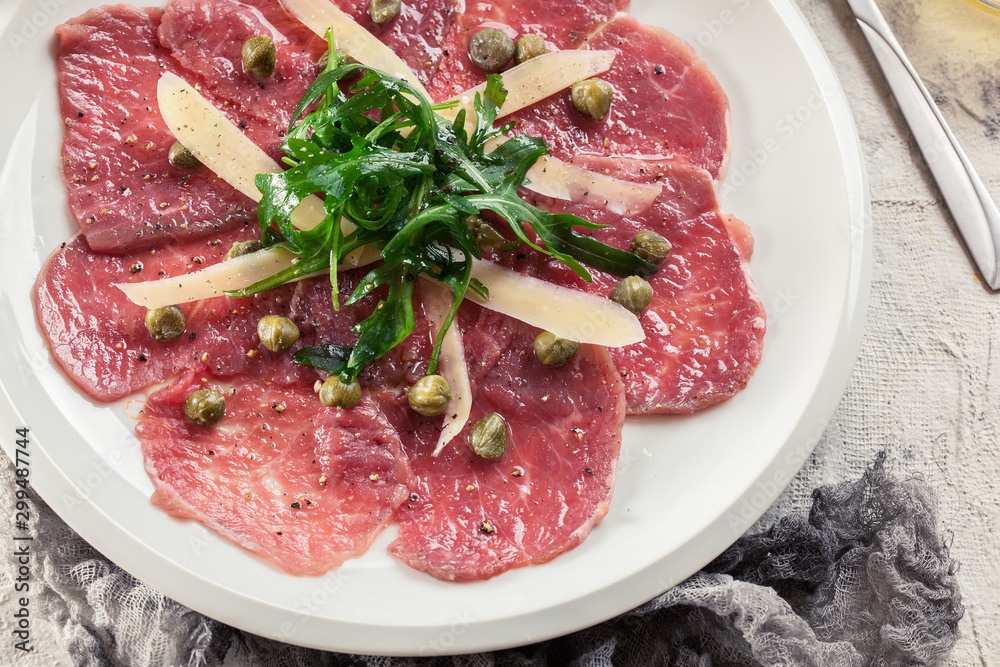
(180, 156)
(429, 396)
(490, 49)
(205, 407)
(165, 323)
(259, 57)
(487, 236)
(592, 97)
(241, 248)
(488, 437)
(650, 246)
(633, 293)
(277, 333)
(342, 59)
(527, 47)
(383, 11)
(552, 350)
(335, 394)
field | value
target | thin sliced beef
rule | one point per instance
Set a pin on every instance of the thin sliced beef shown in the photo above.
(705, 326)
(100, 340)
(418, 34)
(549, 489)
(122, 190)
(302, 485)
(473, 519)
(564, 24)
(207, 38)
(541, 499)
(667, 104)
(289, 27)
(99, 337)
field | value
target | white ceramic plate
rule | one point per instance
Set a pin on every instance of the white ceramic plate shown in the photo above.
(687, 487)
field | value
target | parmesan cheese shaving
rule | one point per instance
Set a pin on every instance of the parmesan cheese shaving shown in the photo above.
(567, 313)
(233, 274)
(222, 147)
(322, 15)
(437, 301)
(554, 178)
(538, 78)
(211, 281)
(585, 318)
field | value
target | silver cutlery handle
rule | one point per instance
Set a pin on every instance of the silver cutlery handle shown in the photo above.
(974, 211)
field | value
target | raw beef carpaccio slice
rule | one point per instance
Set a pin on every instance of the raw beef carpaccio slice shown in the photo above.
(540, 499)
(122, 190)
(207, 38)
(705, 326)
(563, 24)
(304, 486)
(99, 337)
(550, 487)
(417, 35)
(473, 519)
(667, 104)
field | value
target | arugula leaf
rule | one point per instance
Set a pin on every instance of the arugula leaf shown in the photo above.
(377, 153)
(330, 358)
(387, 326)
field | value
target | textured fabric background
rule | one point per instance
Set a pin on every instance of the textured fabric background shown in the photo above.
(927, 381)
(926, 386)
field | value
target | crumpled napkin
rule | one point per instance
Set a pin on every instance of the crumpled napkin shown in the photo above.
(865, 579)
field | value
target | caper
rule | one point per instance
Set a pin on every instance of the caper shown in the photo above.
(181, 157)
(205, 407)
(165, 323)
(259, 57)
(488, 437)
(490, 49)
(429, 396)
(650, 246)
(552, 350)
(383, 11)
(487, 236)
(592, 97)
(241, 248)
(335, 394)
(527, 47)
(633, 293)
(277, 333)
(342, 59)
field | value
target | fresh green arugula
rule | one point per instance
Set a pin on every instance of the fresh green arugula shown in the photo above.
(382, 158)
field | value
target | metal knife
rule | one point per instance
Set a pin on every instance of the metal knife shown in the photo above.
(974, 211)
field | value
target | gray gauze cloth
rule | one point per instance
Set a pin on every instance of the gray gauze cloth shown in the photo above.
(866, 579)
